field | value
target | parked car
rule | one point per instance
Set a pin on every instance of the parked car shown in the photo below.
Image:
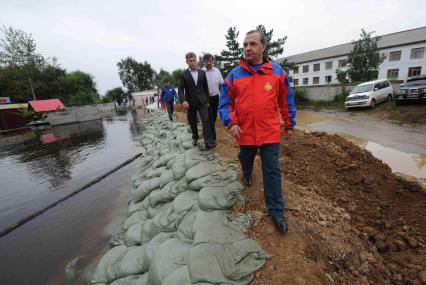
(414, 90)
(370, 93)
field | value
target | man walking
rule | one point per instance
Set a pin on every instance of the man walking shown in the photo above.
(168, 97)
(194, 95)
(251, 99)
(214, 80)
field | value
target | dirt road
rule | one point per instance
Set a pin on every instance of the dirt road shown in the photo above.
(351, 220)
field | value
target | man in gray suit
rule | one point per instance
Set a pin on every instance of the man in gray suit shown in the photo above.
(194, 94)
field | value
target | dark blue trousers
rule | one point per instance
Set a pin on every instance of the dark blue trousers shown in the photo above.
(269, 154)
(170, 109)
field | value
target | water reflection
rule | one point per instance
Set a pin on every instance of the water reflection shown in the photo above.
(51, 152)
(40, 166)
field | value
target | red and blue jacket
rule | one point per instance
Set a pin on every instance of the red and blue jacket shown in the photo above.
(254, 99)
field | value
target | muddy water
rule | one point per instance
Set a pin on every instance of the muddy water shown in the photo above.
(40, 167)
(403, 148)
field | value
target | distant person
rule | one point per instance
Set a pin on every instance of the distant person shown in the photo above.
(194, 95)
(168, 97)
(251, 99)
(158, 95)
(214, 80)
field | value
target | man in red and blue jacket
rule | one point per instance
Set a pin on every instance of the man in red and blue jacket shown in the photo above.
(251, 99)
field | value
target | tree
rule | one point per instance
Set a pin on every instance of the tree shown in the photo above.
(364, 59)
(176, 76)
(163, 75)
(228, 57)
(342, 76)
(116, 94)
(287, 65)
(273, 48)
(78, 88)
(136, 76)
(18, 51)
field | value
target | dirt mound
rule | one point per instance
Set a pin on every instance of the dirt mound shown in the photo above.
(351, 220)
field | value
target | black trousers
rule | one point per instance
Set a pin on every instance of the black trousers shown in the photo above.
(214, 104)
(205, 120)
(170, 109)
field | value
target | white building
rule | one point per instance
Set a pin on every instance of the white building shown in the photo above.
(404, 51)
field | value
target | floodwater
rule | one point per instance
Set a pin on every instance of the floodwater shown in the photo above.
(40, 167)
(403, 148)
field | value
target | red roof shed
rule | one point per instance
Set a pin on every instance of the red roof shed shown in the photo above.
(46, 105)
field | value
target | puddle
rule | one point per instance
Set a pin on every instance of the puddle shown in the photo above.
(308, 117)
(407, 163)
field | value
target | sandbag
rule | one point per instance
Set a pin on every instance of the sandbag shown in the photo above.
(169, 256)
(225, 263)
(220, 198)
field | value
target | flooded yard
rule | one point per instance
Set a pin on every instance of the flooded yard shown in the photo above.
(41, 166)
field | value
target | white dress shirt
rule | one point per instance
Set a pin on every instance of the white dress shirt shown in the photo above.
(194, 74)
(214, 80)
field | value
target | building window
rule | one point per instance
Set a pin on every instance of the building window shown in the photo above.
(295, 82)
(329, 65)
(395, 55)
(316, 67)
(417, 53)
(413, 71)
(315, 80)
(342, 62)
(305, 81)
(296, 70)
(305, 68)
(393, 73)
(328, 79)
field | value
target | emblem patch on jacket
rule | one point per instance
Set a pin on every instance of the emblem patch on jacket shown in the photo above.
(268, 87)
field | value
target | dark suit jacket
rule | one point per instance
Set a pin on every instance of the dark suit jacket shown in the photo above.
(194, 94)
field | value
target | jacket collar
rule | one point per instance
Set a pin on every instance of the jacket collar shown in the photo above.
(266, 67)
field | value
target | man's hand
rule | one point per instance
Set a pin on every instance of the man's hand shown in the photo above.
(185, 105)
(235, 131)
(288, 133)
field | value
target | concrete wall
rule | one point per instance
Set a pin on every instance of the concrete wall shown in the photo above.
(328, 92)
(80, 114)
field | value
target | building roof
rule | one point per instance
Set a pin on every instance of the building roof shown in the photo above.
(46, 105)
(13, 106)
(412, 36)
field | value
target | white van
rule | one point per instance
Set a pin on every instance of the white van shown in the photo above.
(370, 93)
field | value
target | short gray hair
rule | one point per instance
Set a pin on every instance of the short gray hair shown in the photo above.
(190, 55)
(262, 36)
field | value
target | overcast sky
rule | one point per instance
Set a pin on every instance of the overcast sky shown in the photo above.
(93, 35)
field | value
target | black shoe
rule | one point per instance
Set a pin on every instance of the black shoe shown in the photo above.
(194, 142)
(280, 224)
(210, 146)
(247, 181)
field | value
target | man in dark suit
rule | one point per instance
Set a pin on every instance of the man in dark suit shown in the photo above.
(194, 94)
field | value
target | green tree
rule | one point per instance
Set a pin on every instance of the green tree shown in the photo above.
(287, 65)
(14, 84)
(364, 59)
(273, 48)
(78, 88)
(163, 75)
(176, 76)
(228, 57)
(18, 51)
(136, 76)
(116, 94)
(48, 86)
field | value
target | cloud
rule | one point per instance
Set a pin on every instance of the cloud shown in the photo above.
(94, 33)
